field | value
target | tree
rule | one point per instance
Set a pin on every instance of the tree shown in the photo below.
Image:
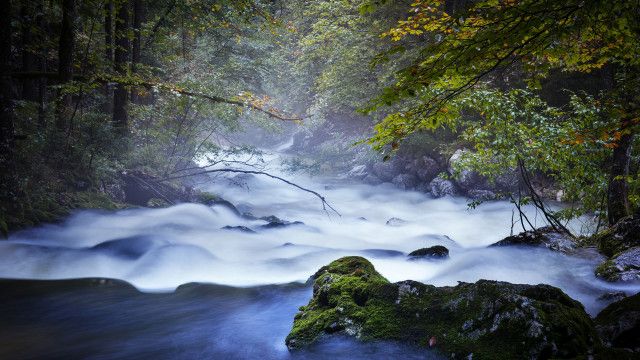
(66, 46)
(515, 44)
(121, 65)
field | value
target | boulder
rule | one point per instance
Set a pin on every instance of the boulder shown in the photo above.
(425, 168)
(481, 195)
(482, 320)
(433, 252)
(372, 180)
(238, 228)
(619, 324)
(442, 187)
(358, 172)
(466, 179)
(544, 237)
(387, 170)
(624, 235)
(405, 181)
(623, 267)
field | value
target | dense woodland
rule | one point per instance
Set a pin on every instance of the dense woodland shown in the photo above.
(92, 89)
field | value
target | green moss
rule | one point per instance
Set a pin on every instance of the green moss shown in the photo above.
(608, 271)
(208, 198)
(489, 319)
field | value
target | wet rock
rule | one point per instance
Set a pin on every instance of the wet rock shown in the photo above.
(612, 296)
(433, 252)
(405, 181)
(425, 168)
(276, 222)
(545, 237)
(622, 236)
(623, 267)
(238, 228)
(387, 170)
(481, 195)
(372, 180)
(442, 187)
(394, 221)
(358, 172)
(466, 179)
(157, 203)
(619, 324)
(486, 319)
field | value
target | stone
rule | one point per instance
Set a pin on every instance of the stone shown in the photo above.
(623, 235)
(482, 320)
(544, 237)
(623, 267)
(394, 221)
(433, 252)
(441, 187)
(405, 181)
(619, 324)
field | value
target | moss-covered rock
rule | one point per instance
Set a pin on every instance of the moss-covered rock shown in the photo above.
(619, 324)
(622, 236)
(488, 319)
(625, 266)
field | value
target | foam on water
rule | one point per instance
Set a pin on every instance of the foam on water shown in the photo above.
(159, 249)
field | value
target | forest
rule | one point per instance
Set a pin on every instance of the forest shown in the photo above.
(357, 179)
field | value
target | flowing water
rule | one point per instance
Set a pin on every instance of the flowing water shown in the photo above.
(250, 310)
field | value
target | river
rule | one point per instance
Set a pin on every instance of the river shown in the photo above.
(258, 277)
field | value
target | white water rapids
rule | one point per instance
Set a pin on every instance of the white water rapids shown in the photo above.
(159, 249)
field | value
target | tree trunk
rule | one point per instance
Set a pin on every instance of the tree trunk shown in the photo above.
(29, 59)
(65, 62)
(618, 192)
(42, 24)
(8, 180)
(108, 52)
(138, 18)
(121, 62)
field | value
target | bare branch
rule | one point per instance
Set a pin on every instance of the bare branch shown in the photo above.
(325, 204)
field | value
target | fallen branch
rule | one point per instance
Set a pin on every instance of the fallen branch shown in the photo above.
(325, 204)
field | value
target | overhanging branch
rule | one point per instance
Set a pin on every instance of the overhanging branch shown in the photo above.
(325, 204)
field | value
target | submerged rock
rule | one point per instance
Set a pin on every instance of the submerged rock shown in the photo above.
(546, 237)
(238, 228)
(433, 252)
(623, 267)
(394, 221)
(487, 319)
(619, 324)
(275, 222)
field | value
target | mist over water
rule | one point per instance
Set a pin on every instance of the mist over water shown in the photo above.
(160, 249)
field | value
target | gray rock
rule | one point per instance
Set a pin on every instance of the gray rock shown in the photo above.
(372, 180)
(425, 168)
(358, 172)
(405, 181)
(394, 221)
(545, 237)
(481, 195)
(441, 187)
(622, 267)
(387, 170)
